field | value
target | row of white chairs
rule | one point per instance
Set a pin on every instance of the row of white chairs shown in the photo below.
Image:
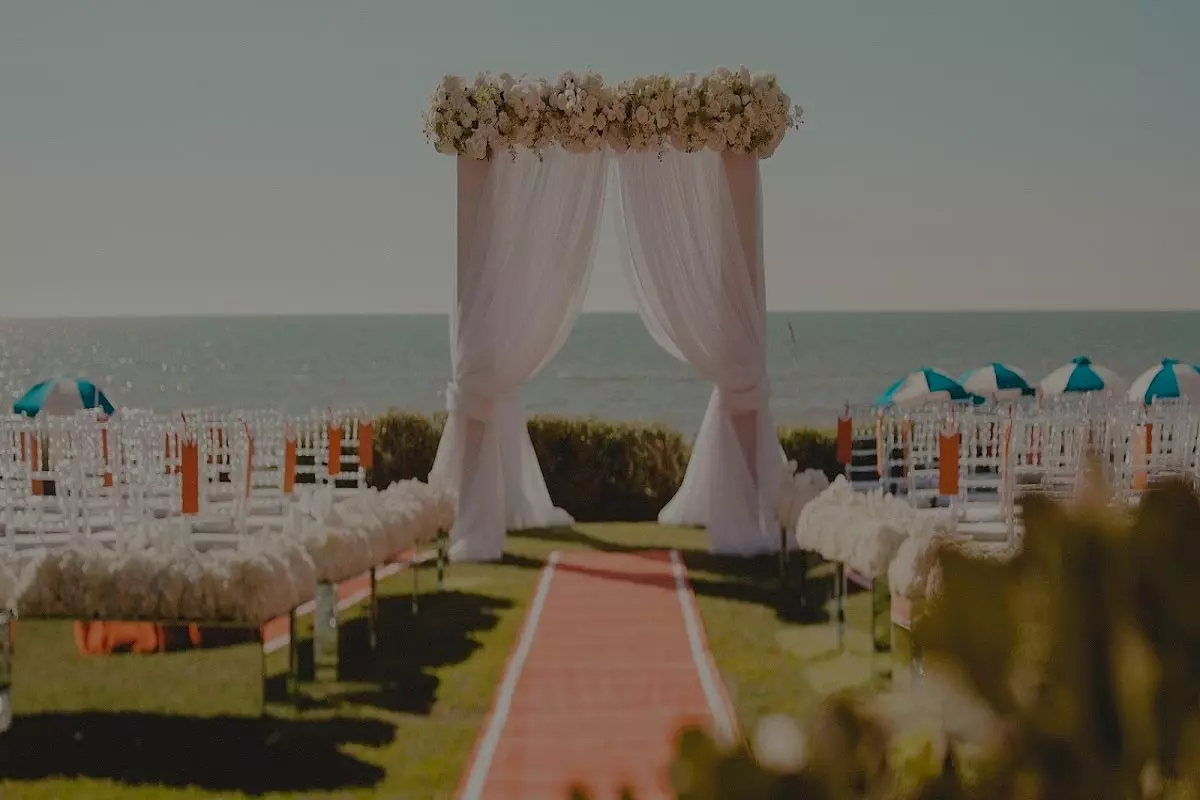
(224, 473)
(980, 461)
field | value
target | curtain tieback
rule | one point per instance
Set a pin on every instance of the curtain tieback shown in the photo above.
(472, 405)
(478, 406)
(741, 401)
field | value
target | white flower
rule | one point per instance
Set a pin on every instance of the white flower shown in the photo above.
(477, 146)
(748, 114)
(779, 744)
(798, 489)
(863, 530)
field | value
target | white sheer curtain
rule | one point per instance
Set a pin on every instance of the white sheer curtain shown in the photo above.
(526, 239)
(692, 231)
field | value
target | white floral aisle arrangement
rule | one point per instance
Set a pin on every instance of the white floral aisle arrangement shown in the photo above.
(161, 576)
(164, 579)
(797, 490)
(416, 512)
(863, 530)
(343, 541)
(724, 110)
(347, 538)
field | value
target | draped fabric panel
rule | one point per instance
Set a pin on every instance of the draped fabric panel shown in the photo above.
(691, 232)
(527, 232)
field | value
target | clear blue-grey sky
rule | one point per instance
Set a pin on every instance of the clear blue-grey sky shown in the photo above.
(241, 156)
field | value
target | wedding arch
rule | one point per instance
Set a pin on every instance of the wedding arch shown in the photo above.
(533, 159)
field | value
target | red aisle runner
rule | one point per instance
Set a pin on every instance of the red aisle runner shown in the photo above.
(610, 664)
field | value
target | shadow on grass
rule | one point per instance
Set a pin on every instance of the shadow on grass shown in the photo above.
(753, 579)
(659, 580)
(411, 648)
(218, 753)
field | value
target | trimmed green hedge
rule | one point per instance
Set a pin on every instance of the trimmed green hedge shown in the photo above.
(596, 470)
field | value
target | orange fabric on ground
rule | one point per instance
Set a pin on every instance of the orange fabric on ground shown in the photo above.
(609, 680)
(103, 638)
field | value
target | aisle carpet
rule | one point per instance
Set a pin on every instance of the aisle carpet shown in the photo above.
(610, 664)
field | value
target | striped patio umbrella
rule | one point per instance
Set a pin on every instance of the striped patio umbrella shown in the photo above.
(1170, 379)
(61, 396)
(997, 381)
(926, 385)
(1081, 375)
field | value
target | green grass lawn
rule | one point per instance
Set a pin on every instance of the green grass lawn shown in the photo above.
(400, 724)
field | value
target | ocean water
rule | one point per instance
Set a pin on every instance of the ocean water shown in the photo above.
(609, 367)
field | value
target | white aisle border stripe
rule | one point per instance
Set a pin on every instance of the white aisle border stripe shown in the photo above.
(717, 704)
(491, 738)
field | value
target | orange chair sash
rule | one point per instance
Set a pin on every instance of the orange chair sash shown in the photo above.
(845, 440)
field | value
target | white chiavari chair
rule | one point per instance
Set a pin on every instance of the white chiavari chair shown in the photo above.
(981, 504)
(267, 503)
(863, 469)
(347, 474)
(311, 432)
(920, 431)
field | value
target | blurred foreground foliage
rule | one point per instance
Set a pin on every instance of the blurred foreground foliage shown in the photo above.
(1079, 656)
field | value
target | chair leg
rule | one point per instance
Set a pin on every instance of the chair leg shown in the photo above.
(840, 610)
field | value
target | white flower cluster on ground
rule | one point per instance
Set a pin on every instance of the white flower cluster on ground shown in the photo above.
(725, 110)
(864, 530)
(161, 579)
(347, 538)
(160, 575)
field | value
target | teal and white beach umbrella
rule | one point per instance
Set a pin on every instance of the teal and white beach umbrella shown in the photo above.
(926, 385)
(61, 396)
(1081, 376)
(997, 381)
(1169, 380)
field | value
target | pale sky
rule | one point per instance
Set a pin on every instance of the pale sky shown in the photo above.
(266, 156)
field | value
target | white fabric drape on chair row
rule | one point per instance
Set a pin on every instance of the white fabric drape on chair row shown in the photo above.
(526, 238)
(527, 230)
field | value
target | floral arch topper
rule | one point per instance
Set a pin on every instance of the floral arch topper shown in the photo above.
(735, 111)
